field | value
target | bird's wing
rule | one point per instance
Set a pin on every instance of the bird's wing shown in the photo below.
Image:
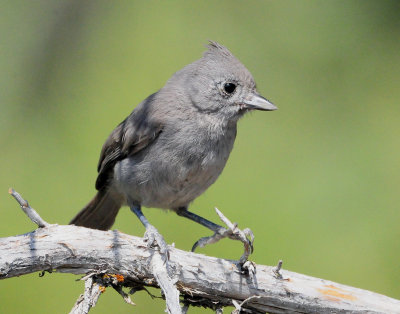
(132, 135)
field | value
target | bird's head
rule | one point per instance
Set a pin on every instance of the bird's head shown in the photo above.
(220, 84)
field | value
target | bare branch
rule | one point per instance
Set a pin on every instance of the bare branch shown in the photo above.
(118, 260)
(89, 299)
(201, 280)
(29, 211)
(165, 282)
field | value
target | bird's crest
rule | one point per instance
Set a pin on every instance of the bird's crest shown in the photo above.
(215, 49)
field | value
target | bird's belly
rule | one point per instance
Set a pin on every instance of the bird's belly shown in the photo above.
(179, 189)
(163, 183)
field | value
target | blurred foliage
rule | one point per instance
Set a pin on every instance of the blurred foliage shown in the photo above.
(317, 181)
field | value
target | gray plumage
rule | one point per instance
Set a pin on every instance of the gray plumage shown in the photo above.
(175, 143)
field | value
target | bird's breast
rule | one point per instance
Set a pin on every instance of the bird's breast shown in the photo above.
(179, 166)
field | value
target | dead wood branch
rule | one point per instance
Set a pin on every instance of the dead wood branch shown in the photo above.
(126, 261)
(200, 279)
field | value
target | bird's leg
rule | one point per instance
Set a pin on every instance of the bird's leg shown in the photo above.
(152, 236)
(245, 236)
(182, 211)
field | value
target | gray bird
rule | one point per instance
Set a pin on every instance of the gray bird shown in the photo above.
(174, 144)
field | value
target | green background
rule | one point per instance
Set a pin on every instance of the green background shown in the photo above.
(317, 181)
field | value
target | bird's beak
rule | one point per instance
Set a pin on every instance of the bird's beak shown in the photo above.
(258, 102)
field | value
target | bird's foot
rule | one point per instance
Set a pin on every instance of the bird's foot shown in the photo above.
(153, 238)
(245, 236)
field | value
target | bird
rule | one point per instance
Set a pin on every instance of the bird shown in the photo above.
(174, 144)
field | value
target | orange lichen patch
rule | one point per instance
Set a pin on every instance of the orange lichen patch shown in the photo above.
(119, 278)
(102, 289)
(336, 294)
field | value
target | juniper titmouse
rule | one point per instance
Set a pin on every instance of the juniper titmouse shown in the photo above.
(175, 143)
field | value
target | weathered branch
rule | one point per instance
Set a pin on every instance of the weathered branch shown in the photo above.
(200, 279)
(112, 258)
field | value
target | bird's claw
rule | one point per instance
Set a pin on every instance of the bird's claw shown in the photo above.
(245, 236)
(153, 238)
(248, 268)
(249, 235)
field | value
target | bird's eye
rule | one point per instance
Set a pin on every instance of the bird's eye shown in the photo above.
(229, 88)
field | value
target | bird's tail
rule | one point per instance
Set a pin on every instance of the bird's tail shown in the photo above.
(100, 212)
